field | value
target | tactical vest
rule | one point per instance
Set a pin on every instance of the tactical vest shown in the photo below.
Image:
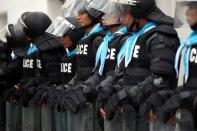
(142, 65)
(68, 69)
(29, 67)
(113, 49)
(48, 44)
(192, 80)
(85, 57)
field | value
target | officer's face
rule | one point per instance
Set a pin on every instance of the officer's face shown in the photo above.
(127, 19)
(83, 19)
(67, 42)
(191, 14)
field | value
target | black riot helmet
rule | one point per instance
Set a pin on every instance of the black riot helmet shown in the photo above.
(146, 9)
(35, 24)
(15, 38)
(142, 8)
(95, 15)
(75, 34)
(95, 9)
(66, 26)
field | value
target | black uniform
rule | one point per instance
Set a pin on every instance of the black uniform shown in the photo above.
(29, 67)
(192, 79)
(85, 58)
(184, 96)
(155, 54)
(68, 68)
(151, 68)
(67, 71)
(48, 59)
(113, 48)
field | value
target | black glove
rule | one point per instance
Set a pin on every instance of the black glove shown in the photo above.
(27, 95)
(75, 98)
(35, 100)
(78, 96)
(55, 97)
(46, 95)
(29, 89)
(101, 100)
(144, 89)
(93, 80)
(70, 101)
(13, 94)
(114, 102)
(182, 99)
(105, 89)
(155, 102)
(84, 93)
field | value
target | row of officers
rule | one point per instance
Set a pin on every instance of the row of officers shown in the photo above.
(111, 54)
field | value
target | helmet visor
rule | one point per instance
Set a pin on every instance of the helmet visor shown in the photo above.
(114, 12)
(59, 27)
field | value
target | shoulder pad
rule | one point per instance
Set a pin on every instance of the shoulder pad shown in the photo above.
(166, 29)
(167, 20)
(48, 42)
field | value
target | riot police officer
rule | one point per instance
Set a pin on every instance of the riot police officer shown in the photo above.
(49, 53)
(107, 51)
(70, 34)
(147, 55)
(182, 99)
(89, 20)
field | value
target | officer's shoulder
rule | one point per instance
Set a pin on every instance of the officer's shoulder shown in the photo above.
(166, 30)
(164, 34)
(48, 42)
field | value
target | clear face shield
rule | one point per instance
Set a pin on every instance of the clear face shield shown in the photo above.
(18, 28)
(99, 5)
(114, 13)
(71, 7)
(185, 13)
(59, 27)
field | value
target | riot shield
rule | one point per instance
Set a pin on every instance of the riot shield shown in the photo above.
(61, 121)
(13, 117)
(184, 120)
(83, 120)
(31, 119)
(157, 125)
(47, 119)
(124, 120)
